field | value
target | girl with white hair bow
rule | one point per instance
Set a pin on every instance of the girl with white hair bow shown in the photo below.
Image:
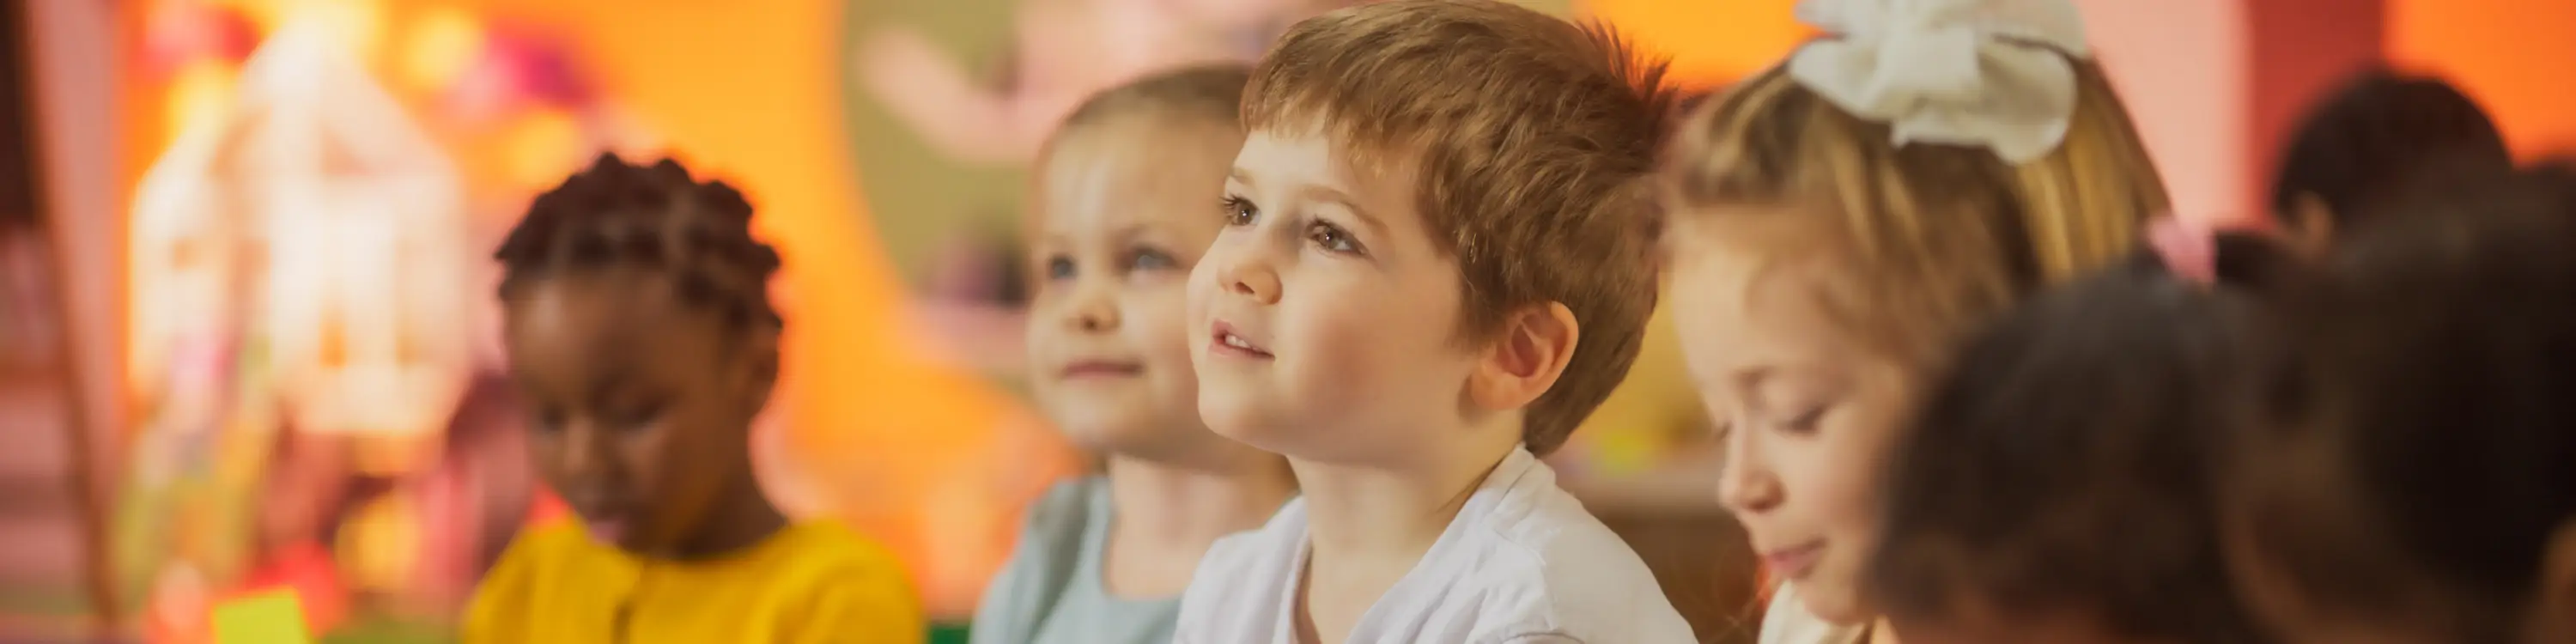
(1839, 221)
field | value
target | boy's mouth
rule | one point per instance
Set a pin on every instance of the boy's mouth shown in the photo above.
(1222, 340)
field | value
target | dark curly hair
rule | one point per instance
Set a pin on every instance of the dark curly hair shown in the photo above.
(2376, 136)
(617, 214)
(2058, 468)
(2435, 356)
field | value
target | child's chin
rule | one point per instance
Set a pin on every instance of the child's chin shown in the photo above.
(1833, 602)
(1248, 425)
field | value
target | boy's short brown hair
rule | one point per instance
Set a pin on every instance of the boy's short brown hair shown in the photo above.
(1529, 136)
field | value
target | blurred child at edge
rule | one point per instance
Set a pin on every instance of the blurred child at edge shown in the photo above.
(639, 330)
(1127, 193)
(2411, 472)
(2377, 135)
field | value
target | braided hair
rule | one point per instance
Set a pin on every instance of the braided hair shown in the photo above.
(619, 215)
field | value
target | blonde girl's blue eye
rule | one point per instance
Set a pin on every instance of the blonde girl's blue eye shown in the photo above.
(1148, 259)
(1059, 268)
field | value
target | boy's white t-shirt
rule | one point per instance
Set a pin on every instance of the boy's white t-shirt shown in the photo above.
(1522, 563)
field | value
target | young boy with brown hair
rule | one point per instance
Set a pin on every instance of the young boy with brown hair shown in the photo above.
(1436, 262)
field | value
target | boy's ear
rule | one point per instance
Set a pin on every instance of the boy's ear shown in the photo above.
(1525, 359)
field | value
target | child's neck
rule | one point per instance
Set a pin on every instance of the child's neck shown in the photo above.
(1369, 524)
(742, 517)
(1390, 510)
(1165, 516)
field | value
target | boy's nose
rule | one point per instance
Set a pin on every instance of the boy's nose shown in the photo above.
(1247, 272)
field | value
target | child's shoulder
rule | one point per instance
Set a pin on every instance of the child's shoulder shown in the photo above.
(1068, 504)
(1534, 520)
(1540, 556)
(831, 546)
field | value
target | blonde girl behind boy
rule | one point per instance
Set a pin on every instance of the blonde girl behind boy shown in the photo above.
(1839, 221)
(1127, 197)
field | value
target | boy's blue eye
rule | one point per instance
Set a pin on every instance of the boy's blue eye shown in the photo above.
(1238, 211)
(1333, 239)
(1059, 268)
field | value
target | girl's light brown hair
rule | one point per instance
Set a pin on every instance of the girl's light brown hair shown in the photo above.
(1937, 236)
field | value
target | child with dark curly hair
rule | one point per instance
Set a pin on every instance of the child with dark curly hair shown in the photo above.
(640, 332)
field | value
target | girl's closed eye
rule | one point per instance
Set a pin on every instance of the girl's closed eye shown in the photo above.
(635, 417)
(1239, 211)
(1804, 422)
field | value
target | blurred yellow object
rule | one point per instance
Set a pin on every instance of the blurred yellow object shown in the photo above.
(380, 544)
(543, 147)
(360, 24)
(1712, 43)
(201, 95)
(440, 46)
(396, 452)
(272, 617)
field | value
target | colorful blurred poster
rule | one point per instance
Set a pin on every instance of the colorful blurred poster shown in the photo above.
(314, 344)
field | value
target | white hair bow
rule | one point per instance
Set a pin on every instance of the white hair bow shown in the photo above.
(1990, 73)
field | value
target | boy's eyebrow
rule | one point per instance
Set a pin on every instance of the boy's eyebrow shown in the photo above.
(1324, 194)
(1329, 195)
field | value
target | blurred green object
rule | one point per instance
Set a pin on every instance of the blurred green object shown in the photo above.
(947, 634)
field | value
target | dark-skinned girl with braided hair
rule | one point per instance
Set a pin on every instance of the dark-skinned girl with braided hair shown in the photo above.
(640, 333)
